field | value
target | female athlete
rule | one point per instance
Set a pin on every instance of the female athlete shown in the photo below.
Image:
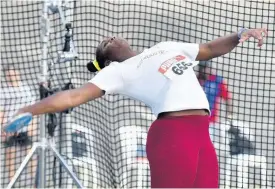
(179, 149)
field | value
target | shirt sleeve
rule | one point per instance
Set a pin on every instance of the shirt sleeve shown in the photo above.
(190, 49)
(109, 79)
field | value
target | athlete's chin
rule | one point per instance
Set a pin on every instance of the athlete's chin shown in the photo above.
(121, 41)
(120, 44)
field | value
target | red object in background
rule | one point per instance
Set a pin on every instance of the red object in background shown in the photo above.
(215, 88)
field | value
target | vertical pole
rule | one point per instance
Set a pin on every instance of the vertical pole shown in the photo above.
(44, 81)
(67, 17)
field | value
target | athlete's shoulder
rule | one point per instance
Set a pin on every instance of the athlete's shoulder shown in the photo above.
(190, 49)
(165, 43)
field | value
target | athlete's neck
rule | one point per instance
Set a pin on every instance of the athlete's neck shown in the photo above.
(126, 55)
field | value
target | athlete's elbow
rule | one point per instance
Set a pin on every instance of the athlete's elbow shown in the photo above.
(206, 52)
(73, 99)
(77, 97)
(61, 101)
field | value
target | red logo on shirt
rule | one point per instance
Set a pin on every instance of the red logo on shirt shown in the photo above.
(168, 63)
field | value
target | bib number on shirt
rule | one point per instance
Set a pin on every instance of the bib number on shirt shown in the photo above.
(176, 66)
(180, 67)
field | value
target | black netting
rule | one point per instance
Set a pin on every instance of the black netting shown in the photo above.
(103, 141)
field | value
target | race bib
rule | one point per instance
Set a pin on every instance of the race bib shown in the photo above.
(176, 66)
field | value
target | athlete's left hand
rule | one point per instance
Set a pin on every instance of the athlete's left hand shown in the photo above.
(258, 34)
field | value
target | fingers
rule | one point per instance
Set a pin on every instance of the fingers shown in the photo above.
(4, 136)
(243, 39)
(3, 133)
(260, 43)
(264, 30)
(258, 34)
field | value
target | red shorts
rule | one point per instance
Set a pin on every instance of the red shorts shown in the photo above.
(181, 154)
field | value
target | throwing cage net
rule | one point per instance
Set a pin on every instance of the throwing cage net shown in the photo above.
(103, 141)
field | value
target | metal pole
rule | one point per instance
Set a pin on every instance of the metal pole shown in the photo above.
(22, 166)
(67, 168)
(44, 81)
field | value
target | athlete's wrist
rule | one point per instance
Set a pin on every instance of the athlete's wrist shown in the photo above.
(240, 32)
(20, 111)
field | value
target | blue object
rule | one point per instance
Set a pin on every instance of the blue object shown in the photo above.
(141, 150)
(18, 122)
(240, 32)
(212, 90)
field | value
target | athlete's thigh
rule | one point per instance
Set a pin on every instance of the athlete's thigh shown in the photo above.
(208, 169)
(176, 168)
(173, 158)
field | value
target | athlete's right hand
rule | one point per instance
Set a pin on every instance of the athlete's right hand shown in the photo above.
(3, 133)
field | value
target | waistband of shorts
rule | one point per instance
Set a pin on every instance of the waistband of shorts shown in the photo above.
(183, 114)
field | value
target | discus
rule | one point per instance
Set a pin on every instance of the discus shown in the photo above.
(18, 122)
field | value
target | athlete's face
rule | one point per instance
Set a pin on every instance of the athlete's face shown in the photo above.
(114, 47)
(12, 75)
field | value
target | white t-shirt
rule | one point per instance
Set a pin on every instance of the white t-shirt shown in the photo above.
(158, 77)
(14, 98)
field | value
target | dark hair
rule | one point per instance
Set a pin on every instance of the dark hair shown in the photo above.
(101, 59)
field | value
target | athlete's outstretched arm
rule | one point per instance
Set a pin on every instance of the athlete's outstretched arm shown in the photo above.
(224, 45)
(64, 100)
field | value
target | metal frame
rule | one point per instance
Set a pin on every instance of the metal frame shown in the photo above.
(44, 145)
(47, 144)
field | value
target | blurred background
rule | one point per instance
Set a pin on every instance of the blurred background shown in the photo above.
(104, 141)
